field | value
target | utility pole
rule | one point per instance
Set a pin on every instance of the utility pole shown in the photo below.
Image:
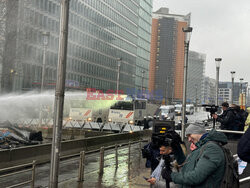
(59, 95)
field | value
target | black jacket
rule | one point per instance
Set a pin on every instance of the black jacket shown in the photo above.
(244, 147)
(227, 120)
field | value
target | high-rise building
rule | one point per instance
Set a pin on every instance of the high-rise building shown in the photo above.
(100, 33)
(224, 86)
(208, 94)
(167, 53)
(195, 76)
(224, 95)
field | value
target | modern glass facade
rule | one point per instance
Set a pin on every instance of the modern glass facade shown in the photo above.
(143, 49)
(195, 76)
(100, 32)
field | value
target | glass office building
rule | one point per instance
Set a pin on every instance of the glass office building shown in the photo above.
(100, 32)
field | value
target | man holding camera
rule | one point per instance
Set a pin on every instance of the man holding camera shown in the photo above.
(227, 118)
(205, 166)
(171, 144)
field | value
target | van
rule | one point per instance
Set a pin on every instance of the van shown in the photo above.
(167, 112)
(189, 109)
(178, 108)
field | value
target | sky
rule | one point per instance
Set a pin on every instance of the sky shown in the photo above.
(221, 28)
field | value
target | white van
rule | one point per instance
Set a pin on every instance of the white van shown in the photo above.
(178, 109)
(167, 112)
(190, 109)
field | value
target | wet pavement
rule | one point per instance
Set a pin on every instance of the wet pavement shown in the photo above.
(112, 176)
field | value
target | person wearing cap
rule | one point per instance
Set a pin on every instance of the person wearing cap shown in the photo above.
(205, 166)
(227, 118)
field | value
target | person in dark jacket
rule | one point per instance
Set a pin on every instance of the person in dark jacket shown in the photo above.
(201, 169)
(227, 118)
(243, 149)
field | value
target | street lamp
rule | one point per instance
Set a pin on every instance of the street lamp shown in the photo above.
(196, 87)
(187, 31)
(119, 60)
(166, 96)
(232, 74)
(241, 82)
(45, 45)
(217, 63)
(142, 79)
(241, 93)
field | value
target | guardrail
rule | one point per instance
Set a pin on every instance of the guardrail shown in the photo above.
(81, 155)
(115, 127)
(32, 181)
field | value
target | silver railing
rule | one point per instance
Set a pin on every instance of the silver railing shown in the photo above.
(70, 158)
(32, 169)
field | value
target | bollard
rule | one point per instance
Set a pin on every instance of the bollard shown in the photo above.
(33, 174)
(116, 156)
(81, 167)
(101, 161)
(129, 151)
(140, 154)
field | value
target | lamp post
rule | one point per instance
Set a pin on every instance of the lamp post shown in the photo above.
(187, 31)
(45, 45)
(59, 95)
(119, 60)
(232, 95)
(241, 82)
(166, 96)
(142, 79)
(172, 100)
(241, 93)
(217, 63)
(196, 87)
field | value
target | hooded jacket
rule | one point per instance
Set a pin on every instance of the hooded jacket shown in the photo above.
(228, 120)
(206, 169)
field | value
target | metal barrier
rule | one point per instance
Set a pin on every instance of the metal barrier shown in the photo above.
(124, 127)
(81, 155)
(32, 181)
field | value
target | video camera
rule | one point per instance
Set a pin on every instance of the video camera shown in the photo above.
(211, 108)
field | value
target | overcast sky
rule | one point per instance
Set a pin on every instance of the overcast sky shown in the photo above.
(221, 28)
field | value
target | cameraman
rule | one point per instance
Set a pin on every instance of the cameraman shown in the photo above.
(151, 152)
(227, 118)
(170, 145)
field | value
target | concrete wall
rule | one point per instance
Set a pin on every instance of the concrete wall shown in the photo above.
(41, 153)
(69, 134)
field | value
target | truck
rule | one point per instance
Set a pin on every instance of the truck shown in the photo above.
(167, 112)
(131, 111)
(81, 109)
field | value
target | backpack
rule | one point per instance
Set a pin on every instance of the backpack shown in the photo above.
(231, 174)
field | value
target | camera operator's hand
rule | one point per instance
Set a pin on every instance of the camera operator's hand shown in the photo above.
(215, 116)
(152, 181)
(166, 173)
